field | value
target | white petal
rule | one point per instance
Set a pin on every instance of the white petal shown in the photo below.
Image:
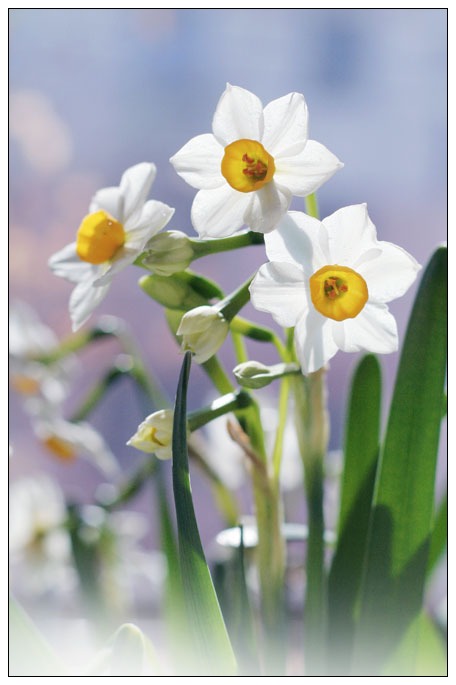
(280, 289)
(314, 341)
(390, 273)
(198, 162)
(109, 199)
(135, 185)
(268, 205)
(296, 240)
(239, 114)
(93, 446)
(373, 330)
(219, 212)
(83, 300)
(123, 258)
(350, 233)
(67, 264)
(153, 217)
(305, 172)
(285, 125)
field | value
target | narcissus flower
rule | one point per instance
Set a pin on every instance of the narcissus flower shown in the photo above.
(114, 233)
(331, 280)
(68, 440)
(252, 164)
(155, 434)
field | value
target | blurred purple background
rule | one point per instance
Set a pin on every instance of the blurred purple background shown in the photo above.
(95, 91)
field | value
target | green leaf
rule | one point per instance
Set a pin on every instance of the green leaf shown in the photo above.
(209, 649)
(398, 548)
(422, 645)
(29, 652)
(439, 535)
(362, 437)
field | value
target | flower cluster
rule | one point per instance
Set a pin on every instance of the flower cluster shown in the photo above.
(329, 280)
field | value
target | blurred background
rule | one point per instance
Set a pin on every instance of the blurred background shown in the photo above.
(95, 91)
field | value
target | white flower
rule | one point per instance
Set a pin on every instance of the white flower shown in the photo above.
(68, 440)
(252, 164)
(110, 238)
(29, 339)
(39, 542)
(155, 434)
(331, 280)
(203, 331)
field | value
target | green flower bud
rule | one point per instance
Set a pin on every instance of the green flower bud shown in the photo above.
(255, 375)
(168, 252)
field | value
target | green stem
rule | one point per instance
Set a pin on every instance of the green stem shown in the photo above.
(312, 206)
(218, 375)
(280, 433)
(234, 302)
(239, 347)
(260, 333)
(312, 431)
(201, 248)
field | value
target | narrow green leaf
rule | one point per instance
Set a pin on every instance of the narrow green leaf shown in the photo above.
(362, 438)
(209, 647)
(439, 535)
(398, 548)
(29, 652)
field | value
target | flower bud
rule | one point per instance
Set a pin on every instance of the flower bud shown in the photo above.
(203, 331)
(255, 375)
(155, 434)
(168, 252)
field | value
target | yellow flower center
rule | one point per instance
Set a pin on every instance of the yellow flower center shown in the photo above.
(60, 448)
(99, 237)
(153, 438)
(25, 385)
(338, 292)
(247, 166)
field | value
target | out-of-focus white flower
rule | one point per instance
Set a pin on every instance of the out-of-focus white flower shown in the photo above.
(203, 331)
(68, 440)
(253, 162)
(39, 542)
(331, 280)
(110, 238)
(155, 434)
(29, 339)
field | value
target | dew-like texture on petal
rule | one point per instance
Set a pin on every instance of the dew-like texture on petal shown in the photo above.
(135, 185)
(306, 171)
(268, 205)
(67, 264)
(220, 212)
(390, 273)
(296, 240)
(280, 289)
(373, 330)
(83, 300)
(111, 200)
(350, 233)
(285, 125)
(314, 341)
(239, 114)
(198, 162)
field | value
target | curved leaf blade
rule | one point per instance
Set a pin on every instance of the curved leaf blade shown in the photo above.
(210, 651)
